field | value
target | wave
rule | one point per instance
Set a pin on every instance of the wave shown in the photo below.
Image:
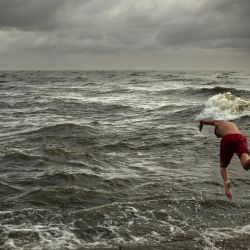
(225, 106)
(114, 107)
(63, 189)
(116, 146)
(5, 105)
(203, 92)
(69, 105)
(170, 223)
(79, 79)
(87, 179)
(138, 73)
(215, 90)
(228, 238)
(62, 137)
(224, 74)
(57, 151)
(170, 77)
(7, 189)
(180, 77)
(66, 197)
(174, 107)
(56, 156)
(240, 242)
(218, 90)
(63, 129)
(171, 219)
(183, 115)
(67, 179)
(138, 144)
(18, 155)
(117, 91)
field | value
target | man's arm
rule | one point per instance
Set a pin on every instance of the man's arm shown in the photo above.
(207, 122)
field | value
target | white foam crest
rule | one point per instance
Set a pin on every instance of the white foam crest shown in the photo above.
(225, 107)
(124, 227)
(48, 237)
(212, 235)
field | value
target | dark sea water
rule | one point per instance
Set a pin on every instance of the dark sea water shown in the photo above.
(109, 159)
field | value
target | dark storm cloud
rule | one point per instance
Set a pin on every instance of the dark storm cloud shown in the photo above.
(112, 26)
(213, 24)
(45, 14)
(29, 14)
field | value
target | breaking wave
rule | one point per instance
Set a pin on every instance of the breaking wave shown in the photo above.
(226, 107)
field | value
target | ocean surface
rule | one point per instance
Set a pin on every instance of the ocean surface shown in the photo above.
(114, 159)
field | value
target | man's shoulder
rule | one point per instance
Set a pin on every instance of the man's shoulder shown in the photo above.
(218, 122)
(225, 123)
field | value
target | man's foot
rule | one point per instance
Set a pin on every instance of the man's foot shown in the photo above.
(247, 165)
(228, 191)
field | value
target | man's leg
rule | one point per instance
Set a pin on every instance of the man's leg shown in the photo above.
(245, 161)
(243, 152)
(227, 182)
(226, 154)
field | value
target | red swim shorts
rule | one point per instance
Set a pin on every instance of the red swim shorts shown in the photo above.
(230, 144)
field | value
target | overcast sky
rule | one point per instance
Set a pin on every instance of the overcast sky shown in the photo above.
(124, 34)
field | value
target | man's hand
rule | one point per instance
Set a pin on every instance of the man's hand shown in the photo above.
(200, 126)
(208, 122)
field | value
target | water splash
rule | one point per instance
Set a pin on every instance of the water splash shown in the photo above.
(226, 107)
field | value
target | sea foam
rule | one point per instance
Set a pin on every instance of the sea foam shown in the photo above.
(225, 107)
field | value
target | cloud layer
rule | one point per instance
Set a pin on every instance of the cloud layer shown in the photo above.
(122, 26)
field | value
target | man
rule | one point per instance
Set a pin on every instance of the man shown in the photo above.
(233, 141)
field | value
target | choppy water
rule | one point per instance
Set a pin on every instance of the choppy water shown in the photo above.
(114, 158)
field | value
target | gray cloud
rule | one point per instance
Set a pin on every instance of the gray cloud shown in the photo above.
(122, 26)
(36, 15)
(213, 25)
(128, 25)
(29, 15)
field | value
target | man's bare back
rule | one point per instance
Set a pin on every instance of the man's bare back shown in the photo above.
(223, 128)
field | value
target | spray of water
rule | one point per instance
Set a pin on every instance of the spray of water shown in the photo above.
(225, 107)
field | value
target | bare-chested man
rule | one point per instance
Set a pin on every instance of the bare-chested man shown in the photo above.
(233, 141)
